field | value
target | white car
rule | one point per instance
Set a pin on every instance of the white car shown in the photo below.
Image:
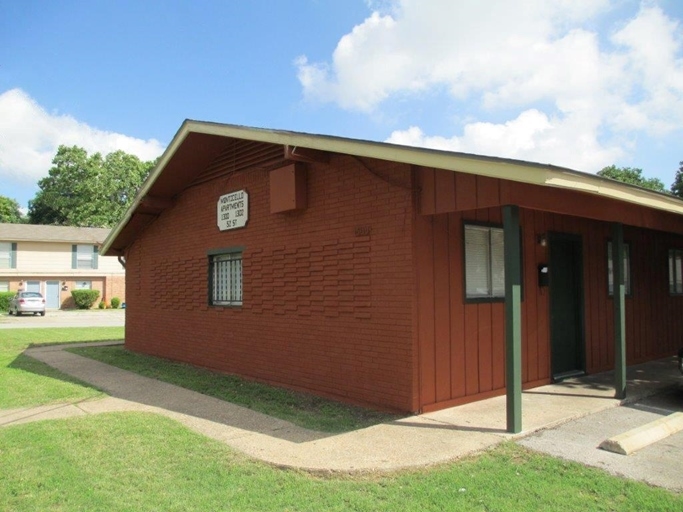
(27, 302)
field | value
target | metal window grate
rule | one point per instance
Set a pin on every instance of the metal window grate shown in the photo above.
(226, 289)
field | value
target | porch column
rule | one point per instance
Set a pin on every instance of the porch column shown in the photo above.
(619, 293)
(513, 318)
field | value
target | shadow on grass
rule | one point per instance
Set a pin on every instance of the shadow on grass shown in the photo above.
(130, 376)
(31, 365)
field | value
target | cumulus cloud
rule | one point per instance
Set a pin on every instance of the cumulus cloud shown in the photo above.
(564, 82)
(531, 136)
(29, 137)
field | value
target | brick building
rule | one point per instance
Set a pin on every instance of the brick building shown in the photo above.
(377, 274)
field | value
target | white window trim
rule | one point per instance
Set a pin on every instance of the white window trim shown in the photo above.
(6, 249)
(84, 253)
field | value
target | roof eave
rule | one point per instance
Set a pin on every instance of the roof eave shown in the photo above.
(494, 167)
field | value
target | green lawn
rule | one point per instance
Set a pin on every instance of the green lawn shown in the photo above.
(139, 462)
(25, 382)
(302, 409)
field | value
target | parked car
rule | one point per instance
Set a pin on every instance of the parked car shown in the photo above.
(27, 302)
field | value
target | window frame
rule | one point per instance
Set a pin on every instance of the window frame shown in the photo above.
(11, 253)
(673, 289)
(231, 254)
(628, 278)
(481, 298)
(89, 253)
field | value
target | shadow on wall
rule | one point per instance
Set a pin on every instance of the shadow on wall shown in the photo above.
(68, 303)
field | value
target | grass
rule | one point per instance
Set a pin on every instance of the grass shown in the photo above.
(138, 461)
(25, 382)
(302, 409)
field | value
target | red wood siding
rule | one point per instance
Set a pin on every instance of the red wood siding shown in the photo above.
(461, 345)
(471, 192)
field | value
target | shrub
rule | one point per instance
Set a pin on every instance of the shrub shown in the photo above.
(101, 305)
(85, 299)
(115, 302)
(4, 300)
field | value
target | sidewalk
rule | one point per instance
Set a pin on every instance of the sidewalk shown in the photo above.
(410, 442)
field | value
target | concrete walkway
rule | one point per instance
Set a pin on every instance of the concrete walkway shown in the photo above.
(410, 442)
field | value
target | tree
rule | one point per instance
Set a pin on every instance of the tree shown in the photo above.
(10, 211)
(632, 176)
(89, 191)
(677, 186)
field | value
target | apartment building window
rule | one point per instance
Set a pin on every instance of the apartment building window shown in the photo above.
(484, 263)
(84, 256)
(4, 286)
(626, 269)
(8, 255)
(676, 271)
(225, 277)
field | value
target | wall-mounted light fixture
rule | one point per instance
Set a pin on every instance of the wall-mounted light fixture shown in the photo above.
(542, 240)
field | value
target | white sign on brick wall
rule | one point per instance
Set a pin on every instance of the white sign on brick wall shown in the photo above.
(232, 210)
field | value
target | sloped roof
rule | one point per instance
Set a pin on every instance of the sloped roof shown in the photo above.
(41, 233)
(198, 143)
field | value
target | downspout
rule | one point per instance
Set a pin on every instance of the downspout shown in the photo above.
(122, 261)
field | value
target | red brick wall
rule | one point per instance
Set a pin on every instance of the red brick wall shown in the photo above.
(115, 287)
(328, 291)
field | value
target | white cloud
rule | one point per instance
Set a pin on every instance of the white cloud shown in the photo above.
(29, 137)
(572, 91)
(532, 136)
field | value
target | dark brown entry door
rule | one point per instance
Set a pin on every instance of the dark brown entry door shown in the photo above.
(566, 306)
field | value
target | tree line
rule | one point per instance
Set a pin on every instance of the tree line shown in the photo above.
(95, 191)
(82, 190)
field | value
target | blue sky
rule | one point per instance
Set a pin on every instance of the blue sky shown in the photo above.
(575, 83)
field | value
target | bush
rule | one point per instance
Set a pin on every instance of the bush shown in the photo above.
(101, 305)
(115, 302)
(85, 299)
(4, 300)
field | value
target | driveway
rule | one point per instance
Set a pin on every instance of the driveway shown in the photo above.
(658, 464)
(70, 318)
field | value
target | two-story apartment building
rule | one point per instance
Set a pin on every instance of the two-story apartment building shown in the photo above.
(54, 260)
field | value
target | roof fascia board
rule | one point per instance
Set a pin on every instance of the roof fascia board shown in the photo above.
(493, 167)
(170, 150)
(515, 170)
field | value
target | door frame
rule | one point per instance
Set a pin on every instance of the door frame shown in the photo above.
(581, 313)
(47, 293)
